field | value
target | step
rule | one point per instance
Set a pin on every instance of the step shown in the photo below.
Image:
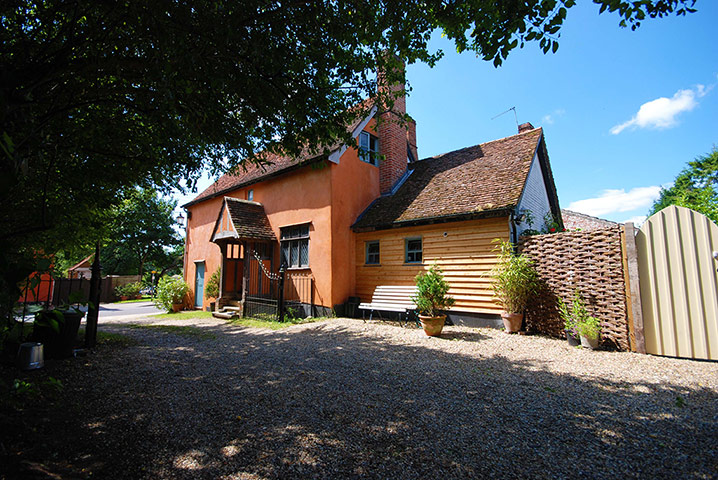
(226, 316)
(233, 309)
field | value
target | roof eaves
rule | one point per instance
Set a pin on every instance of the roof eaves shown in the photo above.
(434, 220)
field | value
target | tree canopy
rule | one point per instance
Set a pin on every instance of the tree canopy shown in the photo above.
(696, 187)
(97, 97)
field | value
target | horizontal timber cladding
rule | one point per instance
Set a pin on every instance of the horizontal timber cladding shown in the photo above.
(463, 250)
(589, 261)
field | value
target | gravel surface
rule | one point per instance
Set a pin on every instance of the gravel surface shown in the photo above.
(347, 399)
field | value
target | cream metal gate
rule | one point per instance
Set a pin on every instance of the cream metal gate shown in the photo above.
(679, 283)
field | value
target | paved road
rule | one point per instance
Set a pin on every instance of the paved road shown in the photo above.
(112, 310)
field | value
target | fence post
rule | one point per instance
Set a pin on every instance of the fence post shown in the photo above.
(94, 301)
(280, 303)
(632, 278)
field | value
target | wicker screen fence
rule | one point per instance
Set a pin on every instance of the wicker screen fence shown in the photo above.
(591, 262)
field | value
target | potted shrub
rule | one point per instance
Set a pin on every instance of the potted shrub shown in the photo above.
(589, 329)
(431, 297)
(515, 282)
(211, 288)
(56, 329)
(170, 293)
(120, 293)
(571, 315)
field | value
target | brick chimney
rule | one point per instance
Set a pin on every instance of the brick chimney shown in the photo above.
(393, 134)
(525, 127)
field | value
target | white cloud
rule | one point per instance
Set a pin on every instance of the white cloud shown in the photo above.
(662, 112)
(551, 117)
(612, 201)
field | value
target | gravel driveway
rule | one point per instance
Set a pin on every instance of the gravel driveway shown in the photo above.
(345, 399)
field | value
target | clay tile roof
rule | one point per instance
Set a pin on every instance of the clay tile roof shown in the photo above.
(249, 219)
(475, 181)
(272, 166)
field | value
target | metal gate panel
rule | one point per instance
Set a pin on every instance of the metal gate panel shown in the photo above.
(679, 283)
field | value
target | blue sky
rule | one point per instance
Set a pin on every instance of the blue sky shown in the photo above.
(623, 111)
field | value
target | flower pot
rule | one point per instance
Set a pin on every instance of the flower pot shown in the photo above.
(59, 345)
(512, 321)
(591, 343)
(124, 298)
(432, 325)
(176, 307)
(573, 339)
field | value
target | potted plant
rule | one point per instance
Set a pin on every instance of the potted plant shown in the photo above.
(431, 297)
(170, 293)
(589, 329)
(571, 315)
(120, 293)
(211, 289)
(515, 282)
(56, 328)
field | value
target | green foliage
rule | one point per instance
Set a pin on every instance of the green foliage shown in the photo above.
(432, 293)
(696, 187)
(576, 318)
(589, 328)
(131, 290)
(211, 288)
(140, 232)
(515, 280)
(170, 291)
(574, 313)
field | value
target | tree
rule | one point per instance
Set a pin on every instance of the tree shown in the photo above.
(696, 187)
(141, 232)
(98, 97)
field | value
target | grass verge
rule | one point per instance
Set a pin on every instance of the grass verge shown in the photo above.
(183, 315)
(145, 298)
(271, 324)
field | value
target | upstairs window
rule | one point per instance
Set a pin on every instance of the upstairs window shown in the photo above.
(295, 245)
(412, 248)
(372, 252)
(250, 195)
(369, 148)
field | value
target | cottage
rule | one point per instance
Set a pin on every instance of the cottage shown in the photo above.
(355, 219)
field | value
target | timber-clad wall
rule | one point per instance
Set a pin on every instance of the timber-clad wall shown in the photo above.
(465, 255)
(590, 261)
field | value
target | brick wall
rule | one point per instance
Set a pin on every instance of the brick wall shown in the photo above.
(393, 135)
(590, 261)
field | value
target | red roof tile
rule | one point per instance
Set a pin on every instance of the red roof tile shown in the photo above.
(478, 180)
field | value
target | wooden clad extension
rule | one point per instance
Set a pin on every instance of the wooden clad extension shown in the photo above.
(463, 250)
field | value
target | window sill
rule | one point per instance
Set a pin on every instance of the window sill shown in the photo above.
(372, 264)
(294, 269)
(413, 264)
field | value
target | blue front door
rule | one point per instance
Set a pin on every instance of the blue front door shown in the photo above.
(199, 285)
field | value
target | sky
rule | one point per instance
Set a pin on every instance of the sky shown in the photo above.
(622, 111)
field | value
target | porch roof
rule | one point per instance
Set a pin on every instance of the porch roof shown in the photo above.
(245, 220)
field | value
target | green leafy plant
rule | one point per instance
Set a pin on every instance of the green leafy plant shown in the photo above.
(589, 328)
(515, 280)
(170, 291)
(211, 288)
(576, 318)
(431, 293)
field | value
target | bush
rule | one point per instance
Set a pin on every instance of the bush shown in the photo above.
(431, 293)
(515, 280)
(211, 289)
(131, 290)
(170, 291)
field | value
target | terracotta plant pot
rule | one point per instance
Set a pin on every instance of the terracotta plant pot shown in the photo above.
(432, 325)
(512, 321)
(176, 307)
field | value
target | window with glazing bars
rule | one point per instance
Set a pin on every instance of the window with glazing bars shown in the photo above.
(295, 245)
(372, 252)
(369, 148)
(412, 247)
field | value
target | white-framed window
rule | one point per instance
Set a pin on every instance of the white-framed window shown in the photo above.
(369, 148)
(295, 245)
(250, 195)
(412, 249)
(372, 252)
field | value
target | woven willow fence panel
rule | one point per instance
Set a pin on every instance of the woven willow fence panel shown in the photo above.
(588, 261)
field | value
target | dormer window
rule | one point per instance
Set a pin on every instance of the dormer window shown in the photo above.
(369, 148)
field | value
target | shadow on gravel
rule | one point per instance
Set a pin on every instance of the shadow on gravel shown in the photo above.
(331, 402)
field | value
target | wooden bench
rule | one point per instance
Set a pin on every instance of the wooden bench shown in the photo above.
(388, 298)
